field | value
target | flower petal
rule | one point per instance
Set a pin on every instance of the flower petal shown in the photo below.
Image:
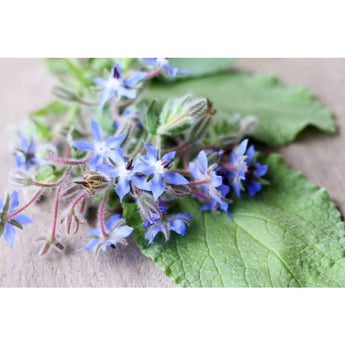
(95, 161)
(129, 93)
(111, 222)
(14, 201)
(175, 178)
(123, 231)
(253, 188)
(261, 170)
(135, 79)
(241, 148)
(202, 160)
(83, 146)
(114, 142)
(151, 153)
(96, 131)
(168, 156)
(101, 82)
(123, 187)
(152, 232)
(108, 93)
(158, 187)
(22, 219)
(9, 234)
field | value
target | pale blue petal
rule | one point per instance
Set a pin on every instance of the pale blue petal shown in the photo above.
(175, 178)
(22, 219)
(158, 187)
(83, 146)
(241, 148)
(150, 61)
(202, 159)
(194, 170)
(168, 156)
(1, 206)
(95, 161)
(135, 79)
(140, 182)
(117, 156)
(151, 233)
(236, 188)
(144, 168)
(108, 93)
(208, 206)
(123, 187)
(93, 232)
(129, 93)
(24, 143)
(114, 142)
(108, 170)
(96, 131)
(111, 222)
(178, 226)
(91, 245)
(250, 154)
(101, 82)
(216, 180)
(151, 153)
(14, 201)
(9, 234)
(123, 231)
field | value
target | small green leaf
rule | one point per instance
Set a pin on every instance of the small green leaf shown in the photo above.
(149, 118)
(282, 112)
(288, 235)
(53, 108)
(199, 67)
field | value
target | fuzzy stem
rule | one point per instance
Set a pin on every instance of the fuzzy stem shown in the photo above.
(115, 112)
(56, 210)
(197, 183)
(177, 148)
(183, 172)
(8, 216)
(200, 195)
(69, 162)
(229, 167)
(76, 201)
(100, 216)
(153, 73)
(55, 184)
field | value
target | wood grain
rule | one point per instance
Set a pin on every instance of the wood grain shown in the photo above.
(26, 86)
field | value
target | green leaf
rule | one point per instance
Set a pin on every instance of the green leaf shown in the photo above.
(149, 117)
(199, 67)
(53, 108)
(282, 112)
(289, 235)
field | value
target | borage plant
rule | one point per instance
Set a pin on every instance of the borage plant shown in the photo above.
(170, 162)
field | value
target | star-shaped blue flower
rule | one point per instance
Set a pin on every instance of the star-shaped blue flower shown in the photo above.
(116, 230)
(8, 224)
(162, 65)
(102, 149)
(25, 157)
(254, 173)
(176, 223)
(124, 172)
(116, 85)
(158, 170)
(212, 183)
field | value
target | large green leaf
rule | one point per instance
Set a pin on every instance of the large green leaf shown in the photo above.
(282, 111)
(200, 67)
(289, 235)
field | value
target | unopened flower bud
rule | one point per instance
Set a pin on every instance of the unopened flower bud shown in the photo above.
(21, 178)
(179, 114)
(94, 182)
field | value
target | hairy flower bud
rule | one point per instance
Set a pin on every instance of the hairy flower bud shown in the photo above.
(94, 182)
(179, 114)
(21, 178)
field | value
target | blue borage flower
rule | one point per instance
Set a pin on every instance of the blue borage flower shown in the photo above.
(116, 230)
(245, 174)
(7, 225)
(116, 85)
(124, 172)
(25, 157)
(157, 170)
(102, 149)
(213, 184)
(176, 223)
(254, 173)
(162, 64)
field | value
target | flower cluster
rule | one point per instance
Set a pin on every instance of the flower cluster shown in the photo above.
(150, 154)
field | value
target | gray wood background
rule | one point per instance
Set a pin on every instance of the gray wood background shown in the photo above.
(26, 86)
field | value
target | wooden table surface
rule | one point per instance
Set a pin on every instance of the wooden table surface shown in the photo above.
(26, 86)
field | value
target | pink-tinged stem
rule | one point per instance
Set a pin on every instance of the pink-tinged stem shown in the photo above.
(115, 112)
(152, 74)
(100, 216)
(205, 147)
(185, 160)
(229, 167)
(13, 214)
(177, 148)
(77, 200)
(200, 195)
(56, 210)
(197, 183)
(55, 184)
(70, 161)
(183, 172)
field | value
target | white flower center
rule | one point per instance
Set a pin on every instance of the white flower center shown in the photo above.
(100, 148)
(114, 83)
(161, 62)
(159, 168)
